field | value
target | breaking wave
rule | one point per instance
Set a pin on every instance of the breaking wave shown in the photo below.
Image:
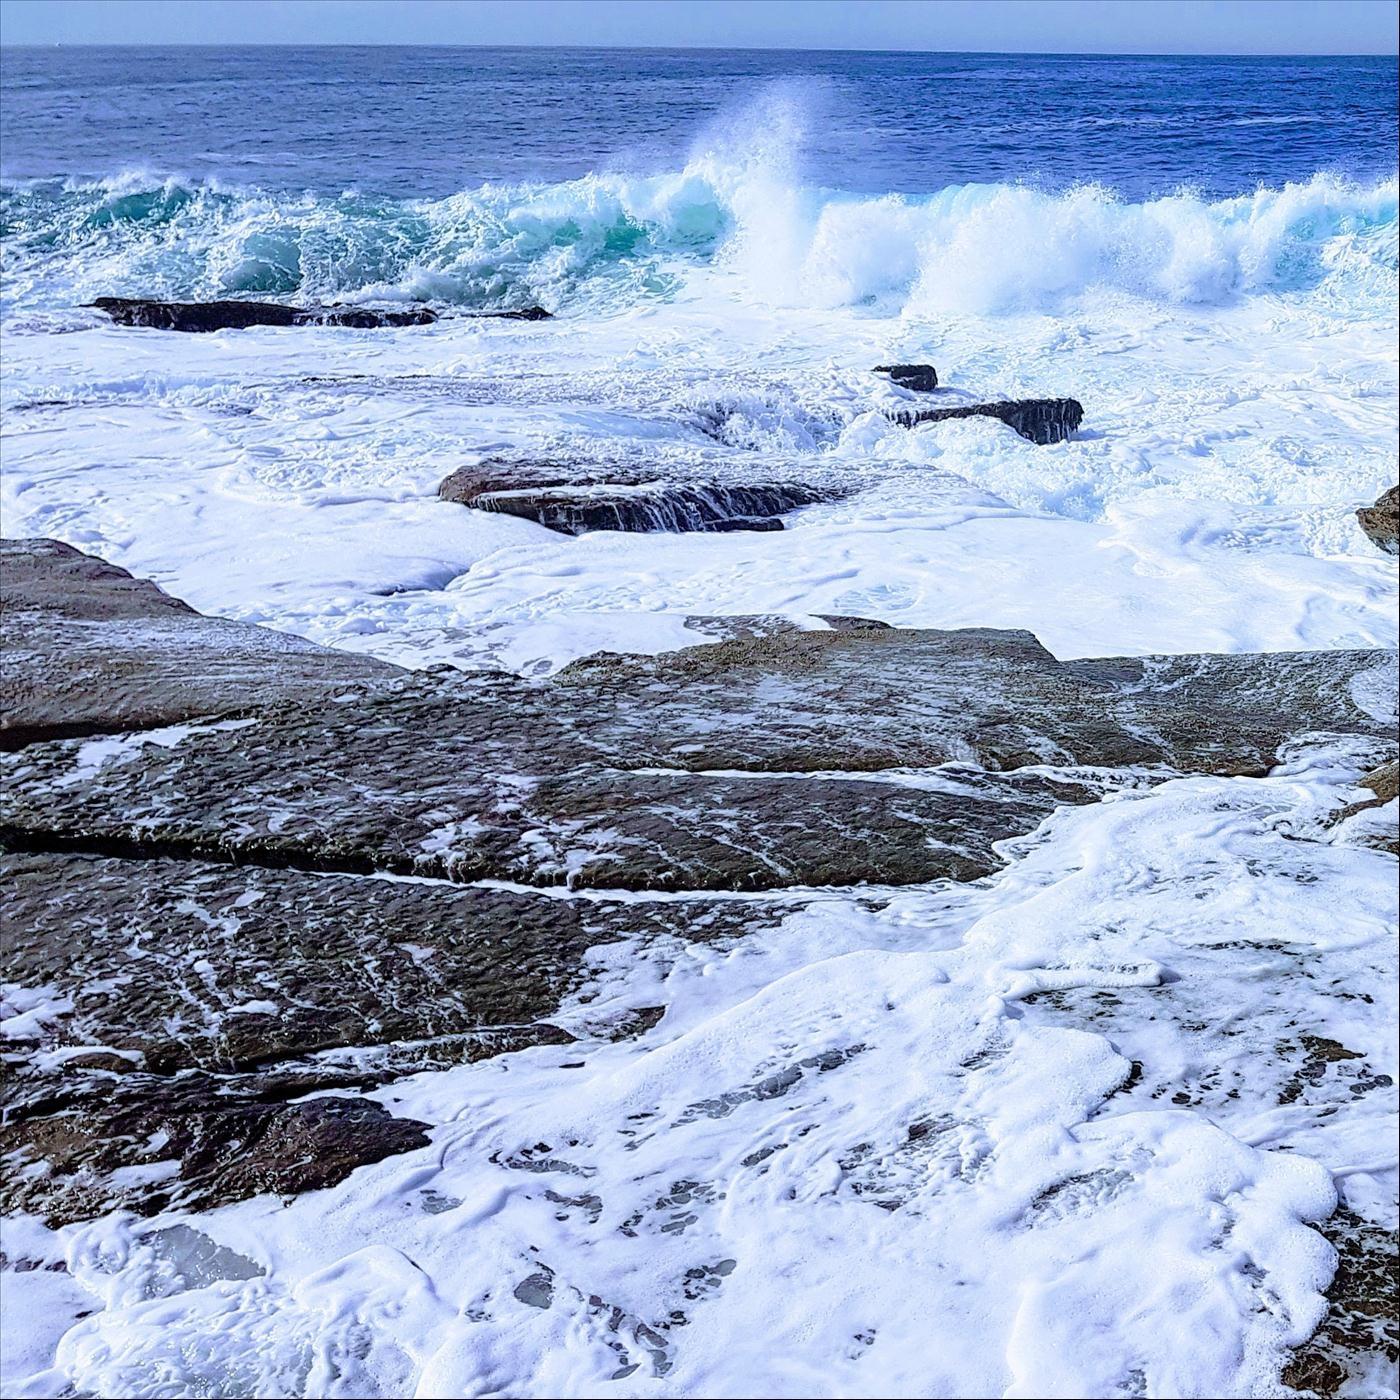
(606, 241)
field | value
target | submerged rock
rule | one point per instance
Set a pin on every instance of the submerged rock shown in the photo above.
(1381, 521)
(922, 379)
(1355, 1350)
(574, 507)
(196, 316)
(221, 995)
(1041, 420)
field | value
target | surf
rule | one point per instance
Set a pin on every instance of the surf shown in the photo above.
(612, 241)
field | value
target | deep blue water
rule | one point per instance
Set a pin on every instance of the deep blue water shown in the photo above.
(409, 122)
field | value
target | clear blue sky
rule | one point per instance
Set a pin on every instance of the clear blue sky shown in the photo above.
(1018, 26)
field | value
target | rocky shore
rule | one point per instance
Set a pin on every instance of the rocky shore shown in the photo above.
(248, 878)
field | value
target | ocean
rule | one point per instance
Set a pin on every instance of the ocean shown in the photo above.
(724, 239)
(1202, 251)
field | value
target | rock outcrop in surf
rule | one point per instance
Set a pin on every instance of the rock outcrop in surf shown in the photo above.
(1041, 420)
(205, 316)
(922, 379)
(578, 501)
(1381, 521)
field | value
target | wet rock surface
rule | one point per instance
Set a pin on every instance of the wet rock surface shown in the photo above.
(197, 317)
(698, 770)
(203, 1003)
(1041, 420)
(141, 1142)
(573, 503)
(204, 316)
(922, 379)
(1359, 1341)
(1381, 521)
(1383, 784)
(91, 650)
(202, 925)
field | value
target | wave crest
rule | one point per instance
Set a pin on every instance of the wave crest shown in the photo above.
(608, 240)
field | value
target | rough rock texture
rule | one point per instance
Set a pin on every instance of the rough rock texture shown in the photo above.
(575, 506)
(197, 316)
(1384, 783)
(102, 1141)
(89, 649)
(920, 378)
(180, 978)
(1040, 420)
(1360, 1333)
(1381, 522)
(202, 1002)
(680, 772)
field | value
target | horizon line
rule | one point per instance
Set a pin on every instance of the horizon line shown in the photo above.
(710, 48)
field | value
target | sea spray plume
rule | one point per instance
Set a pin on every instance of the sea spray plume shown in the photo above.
(984, 249)
(750, 156)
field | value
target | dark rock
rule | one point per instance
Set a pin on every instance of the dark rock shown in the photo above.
(1359, 1335)
(1381, 522)
(206, 983)
(222, 1142)
(582, 829)
(199, 316)
(574, 507)
(1041, 420)
(674, 772)
(305, 965)
(195, 316)
(364, 318)
(525, 313)
(91, 650)
(222, 994)
(922, 379)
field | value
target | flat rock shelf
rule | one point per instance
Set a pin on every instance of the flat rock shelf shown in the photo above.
(194, 792)
(303, 877)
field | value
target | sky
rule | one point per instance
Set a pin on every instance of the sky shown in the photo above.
(1009, 26)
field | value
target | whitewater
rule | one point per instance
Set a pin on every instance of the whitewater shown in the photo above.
(1236, 357)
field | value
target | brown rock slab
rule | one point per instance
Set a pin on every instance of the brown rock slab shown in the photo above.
(1381, 521)
(91, 650)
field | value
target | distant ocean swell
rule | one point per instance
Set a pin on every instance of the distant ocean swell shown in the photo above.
(606, 241)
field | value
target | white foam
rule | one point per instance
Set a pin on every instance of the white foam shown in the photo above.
(851, 1158)
(609, 239)
(1207, 505)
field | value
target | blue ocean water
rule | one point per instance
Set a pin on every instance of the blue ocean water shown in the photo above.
(497, 176)
(412, 122)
